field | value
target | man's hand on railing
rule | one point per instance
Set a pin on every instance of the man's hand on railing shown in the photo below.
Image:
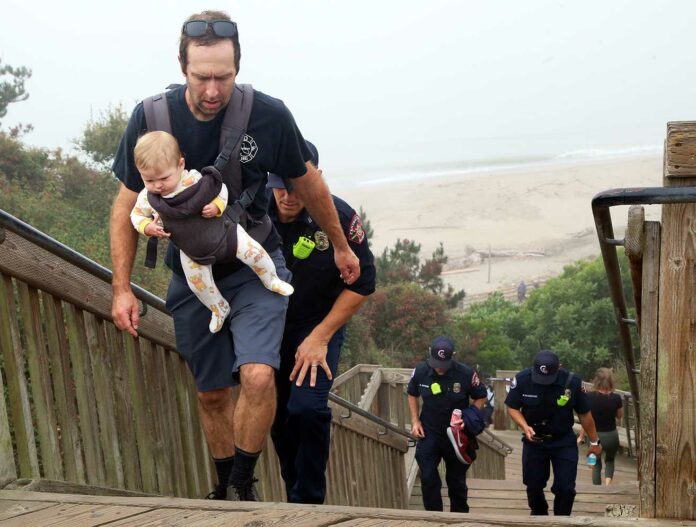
(126, 312)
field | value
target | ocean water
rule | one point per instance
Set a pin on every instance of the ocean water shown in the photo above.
(480, 167)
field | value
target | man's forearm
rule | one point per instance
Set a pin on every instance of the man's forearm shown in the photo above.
(517, 417)
(345, 306)
(124, 240)
(315, 194)
(413, 408)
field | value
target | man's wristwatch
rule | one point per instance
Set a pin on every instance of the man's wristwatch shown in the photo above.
(595, 443)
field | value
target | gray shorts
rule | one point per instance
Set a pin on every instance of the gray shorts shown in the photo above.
(252, 333)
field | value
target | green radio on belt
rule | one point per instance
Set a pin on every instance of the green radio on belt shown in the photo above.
(302, 248)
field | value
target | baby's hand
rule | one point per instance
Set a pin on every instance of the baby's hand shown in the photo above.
(211, 210)
(156, 230)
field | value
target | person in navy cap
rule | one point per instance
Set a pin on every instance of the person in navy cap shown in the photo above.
(319, 310)
(445, 386)
(541, 401)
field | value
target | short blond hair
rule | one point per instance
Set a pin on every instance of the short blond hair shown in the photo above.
(156, 150)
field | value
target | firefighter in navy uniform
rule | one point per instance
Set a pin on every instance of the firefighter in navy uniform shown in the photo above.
(444, 385)
(319, 309)
(541, 401)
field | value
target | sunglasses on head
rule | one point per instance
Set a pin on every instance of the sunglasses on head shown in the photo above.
(198, 28)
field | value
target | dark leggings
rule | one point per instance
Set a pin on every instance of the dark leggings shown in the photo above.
(610, 445)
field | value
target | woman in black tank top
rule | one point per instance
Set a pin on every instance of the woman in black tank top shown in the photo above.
(606, 407)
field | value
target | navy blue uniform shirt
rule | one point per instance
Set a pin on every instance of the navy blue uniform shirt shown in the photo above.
(316, 279)
(539, 406)
(273, 143)
(443, 393)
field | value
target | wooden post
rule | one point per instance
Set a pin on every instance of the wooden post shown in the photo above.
(648, 368)
(501, 421)
(675, 441)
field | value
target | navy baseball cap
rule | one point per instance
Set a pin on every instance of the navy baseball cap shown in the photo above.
(275, 181)
(546, 366)
(441, 352)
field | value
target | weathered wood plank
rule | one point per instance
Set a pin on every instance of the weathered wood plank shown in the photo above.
(345, 376)
(84, 391)
(18, 390)
(634, 241)
(102, 375)
(116, 352)
(648, 368)
(206, 468)
(270, 483)
(675, 437)
(424, 518)
(10, 509)
(293, 517)
(71, 515)
(501, 421)
(156, 518)
(371, 390)
(41, 385)
(187, 420)
(139, 400)
(676, 383)
(8, 469)
(680, 152)
(170, 414)
(152, 392)
(63, 389)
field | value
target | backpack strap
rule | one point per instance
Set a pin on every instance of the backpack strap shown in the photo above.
(156, 118)
(157, 113)
(233, 129)
(569, 380)
(232, 132)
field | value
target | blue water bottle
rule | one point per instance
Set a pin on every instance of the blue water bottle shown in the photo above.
(591, 460)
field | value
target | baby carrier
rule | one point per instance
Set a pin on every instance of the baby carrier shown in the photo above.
(200, 244)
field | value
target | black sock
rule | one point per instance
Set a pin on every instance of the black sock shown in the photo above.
(244, 464)
(223, 467)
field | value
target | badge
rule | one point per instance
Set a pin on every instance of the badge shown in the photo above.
(475, 380)
(322, 240)
(248, 150)
(356, 234)
(456, 387)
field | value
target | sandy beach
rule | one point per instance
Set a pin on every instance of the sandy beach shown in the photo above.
(534, 219)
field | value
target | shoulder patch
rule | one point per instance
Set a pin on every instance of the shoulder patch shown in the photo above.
(513, 384)
(413, 373)
(356, 234)
(475, 381)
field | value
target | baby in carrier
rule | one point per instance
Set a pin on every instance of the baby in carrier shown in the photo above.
(188, 206)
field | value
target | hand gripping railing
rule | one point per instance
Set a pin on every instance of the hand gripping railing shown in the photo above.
(601, 204)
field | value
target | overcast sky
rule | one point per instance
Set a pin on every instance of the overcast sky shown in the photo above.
(382, 83)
